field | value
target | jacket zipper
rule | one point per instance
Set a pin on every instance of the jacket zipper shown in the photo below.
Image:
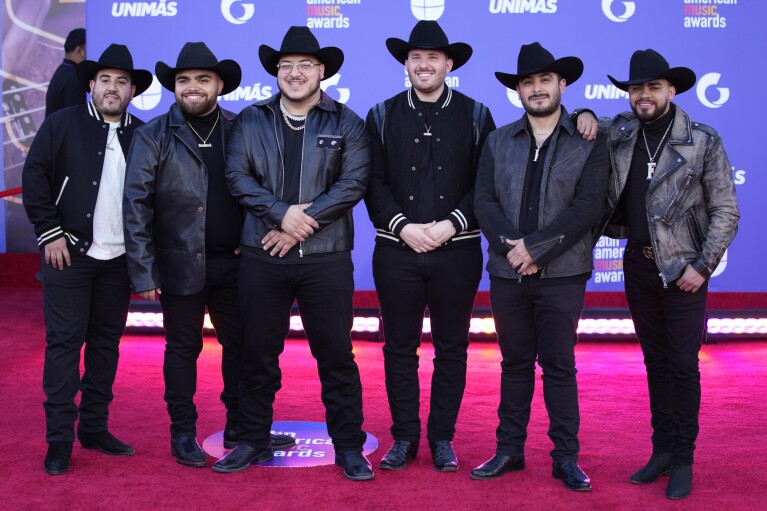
(301, 179)
(560, 238)
(279, 151)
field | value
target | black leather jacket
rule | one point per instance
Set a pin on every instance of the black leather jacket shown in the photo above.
(334, 172)
(692, 209)
(166, 244)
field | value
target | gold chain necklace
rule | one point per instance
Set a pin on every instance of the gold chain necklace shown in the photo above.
(205, 140)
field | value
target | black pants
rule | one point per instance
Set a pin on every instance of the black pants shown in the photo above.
(446, 282)
(324, 295)
(669, 324)
(537, 321)
(183, 318)
(86, 303)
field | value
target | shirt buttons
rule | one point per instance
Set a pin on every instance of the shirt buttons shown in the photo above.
(86, 243)
(82, 250)
(95, 183)
(411, 197)
(416, 141)
(441, 196)
(412, 168)
(439, 167)
(419, 114)
(88, 215)
(199, 210)
(437, 139)
(101, 152)
(199, 256)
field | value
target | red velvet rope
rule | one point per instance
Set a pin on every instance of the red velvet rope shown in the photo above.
(12, 191)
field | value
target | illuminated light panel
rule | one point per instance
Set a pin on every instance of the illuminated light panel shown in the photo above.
(486, 327)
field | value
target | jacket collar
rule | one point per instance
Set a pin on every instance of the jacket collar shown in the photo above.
(124, 121)
(326, 102)
(443, 100)
(564, 122)
(177, 116)
(627, 126)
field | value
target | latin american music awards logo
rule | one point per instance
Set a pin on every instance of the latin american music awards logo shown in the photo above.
(150, 98)
(313, 445)
(629, 9)
(705, 83)
(246, 10)
(427, 9)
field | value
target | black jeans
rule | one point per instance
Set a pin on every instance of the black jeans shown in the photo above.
(86, 303)
(446, 282)
(183, 317)
(537, 321)
(670, 325)
(324, 295)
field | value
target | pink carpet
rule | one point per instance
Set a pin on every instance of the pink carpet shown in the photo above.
(732, 447)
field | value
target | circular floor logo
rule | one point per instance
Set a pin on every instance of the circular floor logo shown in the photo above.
(313, 445)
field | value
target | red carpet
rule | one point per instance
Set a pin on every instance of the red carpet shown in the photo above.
(614, 434)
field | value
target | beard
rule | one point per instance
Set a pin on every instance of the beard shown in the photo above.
(542, 110)
(299, 96)
(646, 116)
(436, 82)
(107, 108)
(197, 109)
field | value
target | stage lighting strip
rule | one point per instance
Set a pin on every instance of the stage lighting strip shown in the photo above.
(485, 326)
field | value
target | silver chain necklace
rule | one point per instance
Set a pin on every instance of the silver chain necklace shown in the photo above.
(205, 140)
(288, 117)
(651, 164)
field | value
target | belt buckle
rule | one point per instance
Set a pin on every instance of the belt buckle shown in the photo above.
(648, 253)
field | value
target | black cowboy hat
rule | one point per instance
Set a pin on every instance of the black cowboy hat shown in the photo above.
(648, 65)
(199, 56)
(301, 41)
(534, 58)
(116, 56)
(428, 35)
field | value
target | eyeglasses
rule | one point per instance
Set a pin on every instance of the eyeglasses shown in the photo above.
(287, 67)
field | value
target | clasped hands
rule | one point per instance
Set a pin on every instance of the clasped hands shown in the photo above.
(296, 227)
(426, 237)
(520, 259)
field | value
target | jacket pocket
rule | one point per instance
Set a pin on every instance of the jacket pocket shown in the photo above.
(696, 235)
(679, 198)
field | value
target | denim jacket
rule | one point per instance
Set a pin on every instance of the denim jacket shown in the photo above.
(692, 210)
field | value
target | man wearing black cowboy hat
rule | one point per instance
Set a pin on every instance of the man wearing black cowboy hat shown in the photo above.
(73, 185)
(672, 194)
(297, 163)
(426, 145)
(537, 184)
(183, 231)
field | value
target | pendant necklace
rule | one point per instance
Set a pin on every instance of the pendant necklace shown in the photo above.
(205, 140)
(652, 164)
(111, 139)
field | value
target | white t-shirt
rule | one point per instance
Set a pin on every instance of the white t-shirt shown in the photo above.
(108, 237)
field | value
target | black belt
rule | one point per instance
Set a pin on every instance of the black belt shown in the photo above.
(645, 250)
